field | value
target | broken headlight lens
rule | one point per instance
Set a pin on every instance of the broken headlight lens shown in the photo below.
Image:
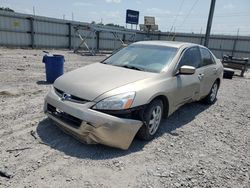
(117, 102)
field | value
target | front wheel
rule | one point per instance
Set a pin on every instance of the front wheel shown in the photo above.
(152, 119)
(211, 97)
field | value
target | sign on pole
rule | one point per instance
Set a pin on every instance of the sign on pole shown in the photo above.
(132, 17)
(149, 20)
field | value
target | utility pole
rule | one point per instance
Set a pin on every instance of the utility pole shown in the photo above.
(34, 11)
(209, 22)
(235, 41)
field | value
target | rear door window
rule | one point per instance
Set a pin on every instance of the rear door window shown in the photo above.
(207, 58)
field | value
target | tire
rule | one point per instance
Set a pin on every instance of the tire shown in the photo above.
(212, 96)
(152, 119)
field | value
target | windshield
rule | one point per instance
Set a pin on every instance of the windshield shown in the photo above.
(148, 58)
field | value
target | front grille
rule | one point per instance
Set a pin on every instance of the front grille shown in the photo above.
(72, 98)
(63, 116)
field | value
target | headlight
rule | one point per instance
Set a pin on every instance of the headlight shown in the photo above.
(117, 102)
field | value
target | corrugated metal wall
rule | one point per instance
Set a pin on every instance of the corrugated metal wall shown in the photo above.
(14, 31)
(23, 30)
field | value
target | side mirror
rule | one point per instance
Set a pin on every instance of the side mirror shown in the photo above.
(185, 69)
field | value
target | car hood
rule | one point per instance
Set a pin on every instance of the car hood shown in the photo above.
(93, 80)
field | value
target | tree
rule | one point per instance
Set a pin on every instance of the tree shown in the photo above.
(114, 25)
(6, 9)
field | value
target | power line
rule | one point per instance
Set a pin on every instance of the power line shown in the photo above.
(216, 14)
(215, 30)
(203, 17)
(240, 12)
(189, 12)
(180, 7)
(218, 23)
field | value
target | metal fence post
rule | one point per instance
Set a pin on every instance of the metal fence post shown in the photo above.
(70, 41)
(32, 32)
(97, 40)
(124, 38)
(201, 41)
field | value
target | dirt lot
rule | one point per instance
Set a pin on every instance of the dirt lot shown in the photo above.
(198, 146)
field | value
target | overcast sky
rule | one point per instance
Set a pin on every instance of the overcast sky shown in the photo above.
(183, 15)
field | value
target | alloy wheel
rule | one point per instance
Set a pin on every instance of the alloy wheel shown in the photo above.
(214, 92)
(155, 120)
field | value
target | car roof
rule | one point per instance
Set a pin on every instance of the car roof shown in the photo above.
(173, 44)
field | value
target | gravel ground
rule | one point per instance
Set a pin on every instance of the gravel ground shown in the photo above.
(198, 146)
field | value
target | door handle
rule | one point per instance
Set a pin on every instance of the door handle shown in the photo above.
(215, 70)
(200, 76)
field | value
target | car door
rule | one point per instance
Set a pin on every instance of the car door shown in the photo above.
(209, 69)
(188, 86)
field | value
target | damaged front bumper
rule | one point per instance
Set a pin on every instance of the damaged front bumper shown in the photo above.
(90, 126)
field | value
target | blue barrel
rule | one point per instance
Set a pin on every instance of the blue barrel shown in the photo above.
(54, 66)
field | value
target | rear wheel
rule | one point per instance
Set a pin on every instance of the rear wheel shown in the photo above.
(211, 97)
(152, 119)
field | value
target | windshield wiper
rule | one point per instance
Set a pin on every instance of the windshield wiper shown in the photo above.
(132, 67)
